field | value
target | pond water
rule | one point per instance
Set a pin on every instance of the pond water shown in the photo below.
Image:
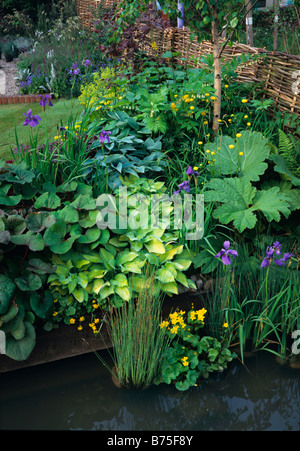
(78, 394)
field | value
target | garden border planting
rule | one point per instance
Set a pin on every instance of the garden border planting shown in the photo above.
(279, 71)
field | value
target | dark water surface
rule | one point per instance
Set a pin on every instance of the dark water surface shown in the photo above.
(78, 394)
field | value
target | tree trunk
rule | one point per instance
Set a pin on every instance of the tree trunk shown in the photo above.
(276, 10)
(249, 23)
(217, 74)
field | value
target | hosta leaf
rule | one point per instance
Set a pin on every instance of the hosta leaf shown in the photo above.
(164, 276)
(170, 288)
(91, 235)
(67, 214)
(132, 267)
(123, 292)
(250, 165)
(125, 257)
(155, 245)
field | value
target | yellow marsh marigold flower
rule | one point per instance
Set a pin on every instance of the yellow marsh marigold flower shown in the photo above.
(79, 327)
(213, 98)
(192, 107)
(241, 153)
(207, 151)
(231, 146)
(200, 142)
(72, 321)
(238, 135)
(225, 325)
(246, 116)
(207, 94)
(200, 314)
(55, 313)
(184, 361)
(248, 123)
(174, 329)
(244, 100)
(81, 318)
(226, 86)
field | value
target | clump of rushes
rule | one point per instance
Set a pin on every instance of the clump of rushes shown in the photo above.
(137, 340)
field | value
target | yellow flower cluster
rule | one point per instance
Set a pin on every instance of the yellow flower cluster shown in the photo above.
(184, 361)
(198, 314)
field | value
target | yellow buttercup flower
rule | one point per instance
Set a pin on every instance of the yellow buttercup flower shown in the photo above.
(213, 153)
(248, 123)
(200, 142)
(206, 94)
(238, 135)
(226, 86)
(225, 325)
(231, 146)
(213, 98)
(192, 107)
(195, 168)
(241, 153)
(246, 116)
(207, 151)
(244, 100)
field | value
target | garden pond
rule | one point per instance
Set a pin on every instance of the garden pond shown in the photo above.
(78, 394)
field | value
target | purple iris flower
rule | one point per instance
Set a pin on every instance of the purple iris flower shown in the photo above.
(284, 259)
(44, 99)
(268, 258)
(190, 171)
(226, 252)
(104, 136)
(87, 63)
(31, 120)
(184, 185)
(276, 248)
(74, 70)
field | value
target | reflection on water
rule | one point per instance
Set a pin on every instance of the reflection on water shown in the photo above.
(78, 394)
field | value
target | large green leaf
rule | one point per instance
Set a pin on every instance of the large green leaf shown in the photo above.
(227, 161)
(55, 238)
(7, 288)
(6, 199)
(47, 200)
(235, 195)
(239, 201)
(30, 282)
(34, 241)
(38, 221)
(21, 349)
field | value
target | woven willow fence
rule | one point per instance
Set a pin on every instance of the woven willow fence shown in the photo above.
(279, 72)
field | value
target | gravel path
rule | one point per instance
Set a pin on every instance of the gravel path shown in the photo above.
(8, 85)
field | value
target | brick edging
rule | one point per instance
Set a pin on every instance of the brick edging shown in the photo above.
(14, 100)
